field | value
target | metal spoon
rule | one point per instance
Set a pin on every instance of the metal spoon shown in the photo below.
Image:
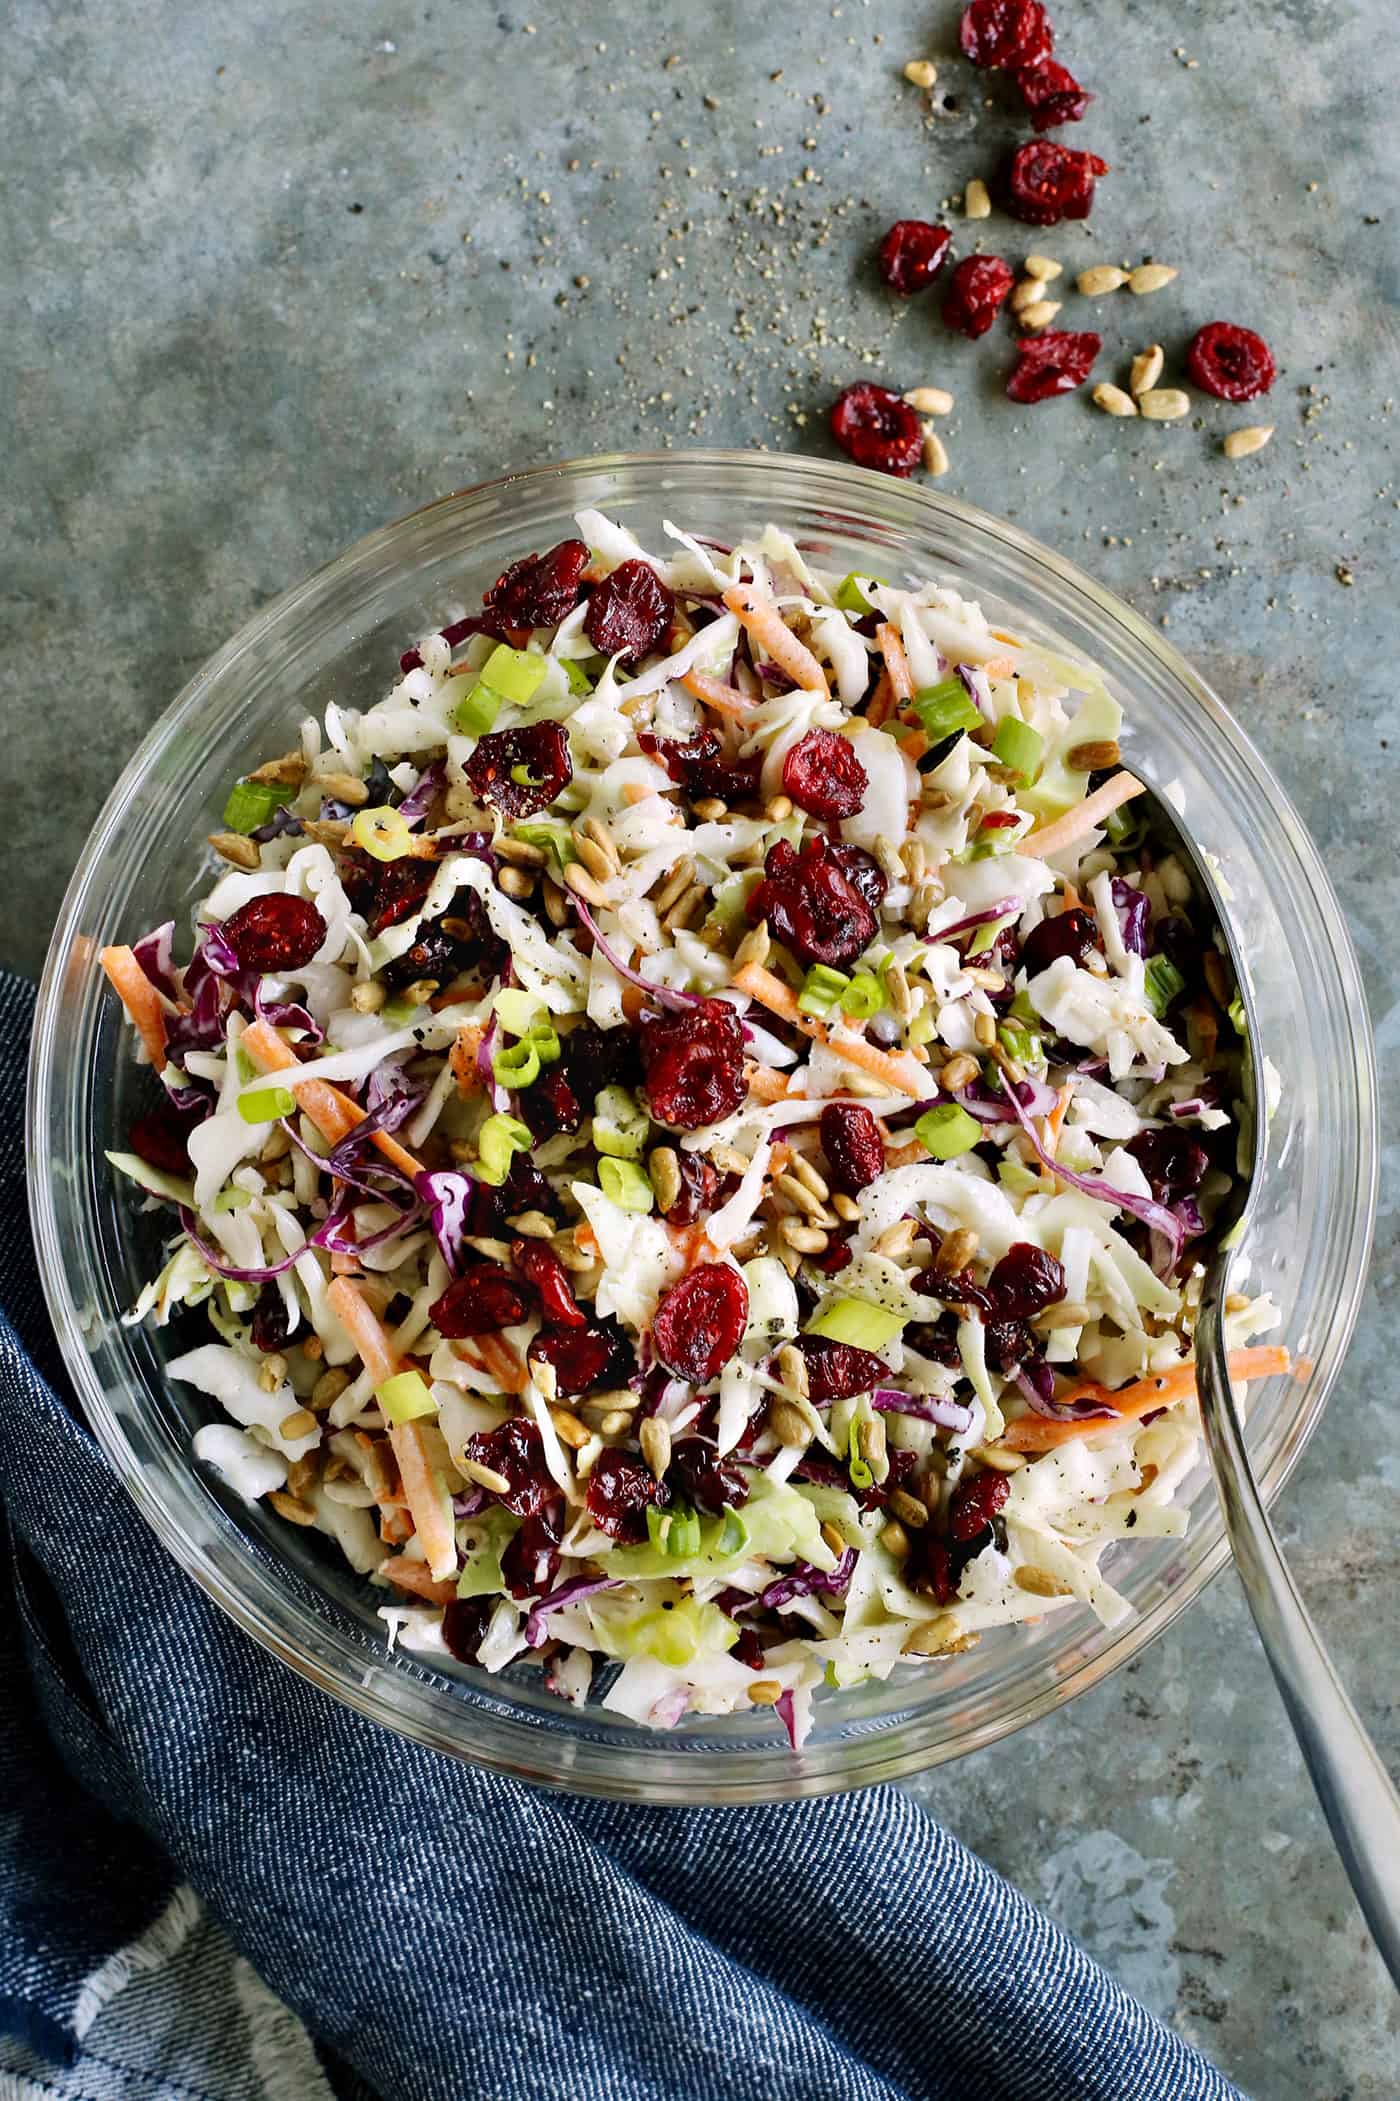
(1358, 1798)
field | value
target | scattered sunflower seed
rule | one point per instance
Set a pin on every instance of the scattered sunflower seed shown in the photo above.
(1100, 278)
(1112, 400)
(1238, 444)
(1043, 267)
(930, 401)
(936, 459)
(921, 72)
(1150, 277)
(977, 202)
(1147, 369)
(1164, 404)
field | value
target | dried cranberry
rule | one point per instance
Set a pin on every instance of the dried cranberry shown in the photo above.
(595, 1058)
(584, 1358)
(1055, 362)
(550, 1106)
(515, 1451)
(530, 1560)
(836, 1370)
(464, 1624)
(630, 612)
(539, 590)
(748, 1649)
(524, 1189)
(1230, 362)
(698, 765)
(855, 1151)
(877, 428)
(977, 290)
(976, 1501)
(541, 1268)
(277, 932)
(1173, 1160)
(698, 1473)
(699, 1322)
(862, 871)
(271, 1323)
(1008, 1343)
(694, 1064)
(1006, 33)
(1045, 182)
(520, 771)
(1074, 933)
(461, 940)
(482, 1301)
(931, 1568)
(811, 904)
(937, 1339)
(699, 1186)
(822, 774)
(1052, 94)
(912, 254)
(620, 1489)
(385, 892)
(1025, 1282)
(161, 1137)
(835, 1256)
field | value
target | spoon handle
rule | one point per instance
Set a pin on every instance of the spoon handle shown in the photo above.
(1357, 1795)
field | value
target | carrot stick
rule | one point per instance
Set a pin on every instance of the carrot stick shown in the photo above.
(1054, 1122)
(727, 700)
(896, 662)
(765, 624)
(901, 1075)
(140, 998)
(425, 1492)
(368, 1333)
(1034, 1434)
(1052, 838)
(333, 1113)
(501, 1361)
(462, 1058)
(999, 667)
(913, 744)
(881, 702)
(765, 1085)
(417, 1579)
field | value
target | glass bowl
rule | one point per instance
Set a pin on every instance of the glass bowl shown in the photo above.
(338, 635)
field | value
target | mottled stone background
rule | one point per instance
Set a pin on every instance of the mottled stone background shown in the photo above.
(275, 273)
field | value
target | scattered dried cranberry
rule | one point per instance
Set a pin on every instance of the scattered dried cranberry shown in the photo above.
(464, 1624)
(550, 1106)
(811, 904)
(278, 932)
(937, 1339)
(620, 1489)
(1230, 362)
(1008, 1343)
(931, 1568)
(1006, 33)
(698, 1473)
(912, 254)
(516, 1452)
(271, 1323)
(1055, 362)
(699, 1186)
(530, 1559)
(699, 766)
(524, 1189)
(699, 1322)
(1024, 1282)
(977, 290)
(1173, 1160)
(822, 774)
(520, 771)
(384, 892)
(1052, 94)
(877, 428)
(836, 1370)
(584, 1358)
(596, 1058)
(976, 1501)
(482, 1301)
(541, 1267)
(694, 1064)
(748, 1649)
(855, 1151)
(630, 611)
(1046, 182)
(1074, 934)
(161, 1137)
(862, 871)
(461, 940)
(540, 589)
(836, 1255)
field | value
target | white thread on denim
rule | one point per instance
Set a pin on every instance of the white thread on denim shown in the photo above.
(162, 1939)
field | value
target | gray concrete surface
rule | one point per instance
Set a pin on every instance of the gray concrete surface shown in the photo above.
(275, 273)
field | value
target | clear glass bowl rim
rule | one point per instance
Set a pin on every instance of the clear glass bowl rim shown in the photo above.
(414, 1703)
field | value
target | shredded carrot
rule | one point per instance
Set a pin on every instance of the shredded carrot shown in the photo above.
(395, 1526)
(371, 1338)
(462, 1057)
(897, 670)
(585, 1239)
(901, 1075)
(417, 1579)
(1054, 1122)
(503, 1363)
(913, 744)
(904, 1155)
(1034, 1434)
(765, 624)
(725, 699)
(345, 1265)
(882, 702)
(766, 1085)
(1053, 838)
(1207, 1024)
(999, 667)
(429, 1504)
(140, 998)
(633, 1001)
(633, 792)
(333, 1113)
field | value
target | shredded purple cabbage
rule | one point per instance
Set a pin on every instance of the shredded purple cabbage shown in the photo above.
(924, 1407)
(1134, 915)
(786, 1710)
(664, 995)
(1157, 1216)
(416, 804)
(990, 1106)
(201, 1027)
(1004, 909)
(280, 825)
(976, 687)
(579, 1587)
(804, 1581)
(155, 954)
(447, 1193)
(1045, 1404)
(287, 1014)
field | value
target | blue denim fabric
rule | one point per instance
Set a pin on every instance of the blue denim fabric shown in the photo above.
(449, 1935)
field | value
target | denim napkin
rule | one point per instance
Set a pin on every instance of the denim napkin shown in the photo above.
(443, 1934)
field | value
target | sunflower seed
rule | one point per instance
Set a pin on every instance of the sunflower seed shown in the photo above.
(1147, 369)
(665, 1169)
(1101, 278)
(936, 460)
(296, 1513)
(1238, 444)
(977, 202)
(1094, 755)
(236, 850)
(655, 1439)
(1150, 277)
(930, 401)
(921, 72)
(1043, 268)
(1112, 400)
(1164, 404)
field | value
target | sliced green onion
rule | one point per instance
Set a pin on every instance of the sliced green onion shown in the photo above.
(397, 1013)
(1125, 828)
(514, 673)
(821, 988)
(1018, 747)
(1014, 1175)
(850, 593)
(1019, 1042)
(266, 1104)
(857, 1466)
(1235, 1010)
(244, 1066)
(499, 1138)
(864, 996)
(579, 681)
(1021, 1008)
(475, 713)
(523, 777)
(857, 1321)
(550, 837)
(382, 833)
(947, 1131)
(625, 1184)
(544, 1040)
(674, 1532)
(231, 1200)
(924, 1026)
(253, 803)
(620, 1124)
(405, 1396)
(516, 1009)
(733, 1535)
(517, 1065)
(946, 707)
(1162, 982)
